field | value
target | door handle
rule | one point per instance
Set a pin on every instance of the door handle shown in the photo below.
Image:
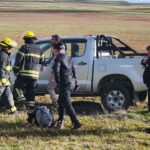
(82, 63)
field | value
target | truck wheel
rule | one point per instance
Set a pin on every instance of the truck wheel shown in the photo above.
(142, 96)
(115, 97)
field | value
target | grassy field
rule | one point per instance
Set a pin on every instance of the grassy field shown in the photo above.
(128, 21)
(133, 29)
(120, 131)
(73, 6)
(100, 131)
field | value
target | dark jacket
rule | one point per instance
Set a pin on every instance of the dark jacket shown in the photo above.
(63, 70)
(146, 74)
(28, 58)
(4, 63)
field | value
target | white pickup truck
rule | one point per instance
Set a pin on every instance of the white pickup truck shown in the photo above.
(105, 66)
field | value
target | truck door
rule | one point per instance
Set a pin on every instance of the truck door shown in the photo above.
(76, 49)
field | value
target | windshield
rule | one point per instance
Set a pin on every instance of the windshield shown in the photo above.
(45, 46)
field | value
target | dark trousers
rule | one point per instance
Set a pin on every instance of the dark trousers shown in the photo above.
(65, 103)
(27, 85)
(148, 86)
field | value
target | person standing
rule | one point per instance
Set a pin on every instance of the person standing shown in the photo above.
(146, 75)
(29, 56)
(6, 47)
(63, 76)
(55, 39)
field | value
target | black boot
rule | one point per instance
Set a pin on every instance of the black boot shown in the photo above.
(20, 103)
(147, 130)
(30, 106)
(76, 126)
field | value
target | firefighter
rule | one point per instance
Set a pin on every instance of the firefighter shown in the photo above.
(28, 58)
(63, 75)
(6, 47)
(146, 75)
(55, 39)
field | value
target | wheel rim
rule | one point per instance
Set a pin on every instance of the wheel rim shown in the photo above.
(115, 100)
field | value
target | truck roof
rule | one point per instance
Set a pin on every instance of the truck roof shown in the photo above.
(76, 37)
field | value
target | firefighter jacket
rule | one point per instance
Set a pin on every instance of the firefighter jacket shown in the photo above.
(5, 67)
(27, 61)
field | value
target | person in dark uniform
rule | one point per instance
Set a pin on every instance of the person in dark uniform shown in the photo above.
(5, 91)
(29, 56)
(63, 72)
(146, 75)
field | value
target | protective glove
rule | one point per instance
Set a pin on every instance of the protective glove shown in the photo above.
(3, 80)
(9, 68)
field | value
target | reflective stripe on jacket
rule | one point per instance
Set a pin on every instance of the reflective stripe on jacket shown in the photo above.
(27, 60)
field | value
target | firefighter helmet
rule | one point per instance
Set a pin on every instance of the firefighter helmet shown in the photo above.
(8, 42)
(29, 34)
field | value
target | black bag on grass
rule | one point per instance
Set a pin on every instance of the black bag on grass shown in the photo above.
(41, 116)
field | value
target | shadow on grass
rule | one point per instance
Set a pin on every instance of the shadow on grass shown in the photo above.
(87, 108)
(20, 130)
(84, 107)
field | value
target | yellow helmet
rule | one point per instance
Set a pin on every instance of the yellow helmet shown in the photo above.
(29, 34)
(8, 42)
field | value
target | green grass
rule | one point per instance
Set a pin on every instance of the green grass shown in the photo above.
(99, 131)
(72, 6)
(131, 28)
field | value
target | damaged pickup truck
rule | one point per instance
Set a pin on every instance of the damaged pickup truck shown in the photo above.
(105, 66)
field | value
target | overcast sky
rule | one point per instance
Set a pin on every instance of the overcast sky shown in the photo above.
(138, 1)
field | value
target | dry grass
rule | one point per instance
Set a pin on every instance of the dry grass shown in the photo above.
(134, 29)
(72, 6)
(109, 131)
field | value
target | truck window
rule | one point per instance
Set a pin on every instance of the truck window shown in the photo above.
(45, 46)
(75, 47)
(105, 49)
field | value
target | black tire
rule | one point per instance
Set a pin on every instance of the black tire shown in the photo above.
(142, 96)
(116, 96)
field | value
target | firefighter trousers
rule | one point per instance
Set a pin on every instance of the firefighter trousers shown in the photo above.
(6, 96)
(27, 86)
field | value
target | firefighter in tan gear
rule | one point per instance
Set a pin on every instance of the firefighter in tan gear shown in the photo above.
(26, 69)
(5, 51)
